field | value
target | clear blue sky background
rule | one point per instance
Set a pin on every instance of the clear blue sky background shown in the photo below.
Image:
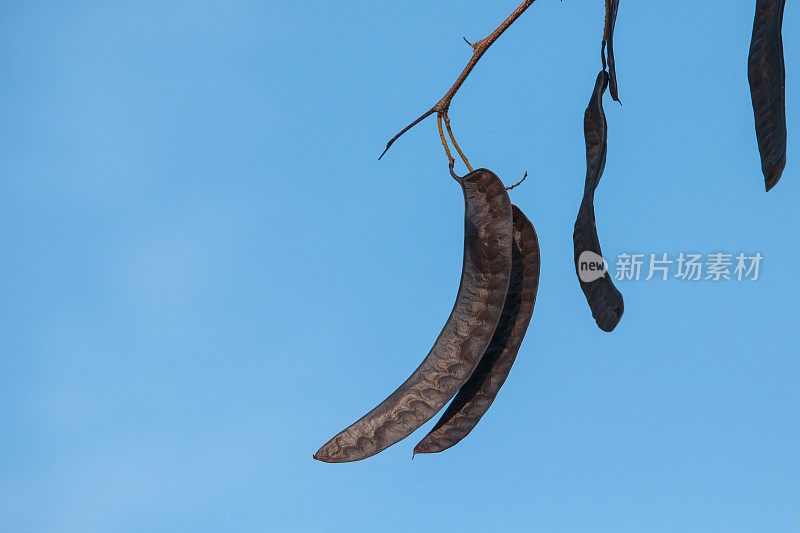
(205, 273)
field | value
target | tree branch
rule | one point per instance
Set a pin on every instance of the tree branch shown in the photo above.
(478, 49)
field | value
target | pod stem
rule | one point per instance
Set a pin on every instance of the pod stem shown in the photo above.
(453, 138)
(606, 28)
(450, 159)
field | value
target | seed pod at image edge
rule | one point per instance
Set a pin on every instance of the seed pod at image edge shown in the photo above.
(767, 76)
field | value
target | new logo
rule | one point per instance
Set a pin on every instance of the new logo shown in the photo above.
(591, 266)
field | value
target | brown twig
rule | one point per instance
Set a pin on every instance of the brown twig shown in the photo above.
(478, 49)
(517, 183)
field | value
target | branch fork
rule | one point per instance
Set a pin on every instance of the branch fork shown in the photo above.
(442, 107)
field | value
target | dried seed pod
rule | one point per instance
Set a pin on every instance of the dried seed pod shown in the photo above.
(611, 20)
(767, 77)
(478, 393)
(603, 297)
(455, 354)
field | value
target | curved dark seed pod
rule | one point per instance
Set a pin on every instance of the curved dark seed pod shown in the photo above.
(455, 354)
(603, 297)
(478, 393)
(767, 77)
(611, 12)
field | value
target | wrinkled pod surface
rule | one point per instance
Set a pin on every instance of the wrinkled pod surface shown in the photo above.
(485, 276)
(604, 299)
(478, 393)
(767, 77)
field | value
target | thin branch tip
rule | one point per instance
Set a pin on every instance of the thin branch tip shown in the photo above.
(519, 182)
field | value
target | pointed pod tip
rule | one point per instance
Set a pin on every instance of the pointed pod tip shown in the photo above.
(427, 447)
(770, 182)
(418, 449)
(322, 456)
(772, 173)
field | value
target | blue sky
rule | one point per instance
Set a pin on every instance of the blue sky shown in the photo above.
(206, 273)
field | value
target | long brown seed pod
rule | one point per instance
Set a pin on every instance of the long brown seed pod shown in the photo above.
(767, 77)
(485, 278)
(604, 299)
(480, 390)
(612, 6)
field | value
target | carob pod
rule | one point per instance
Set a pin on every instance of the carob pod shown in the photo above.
(767, 77)
(612, 6)
(478, 393)
(603, 297)
(485, 278)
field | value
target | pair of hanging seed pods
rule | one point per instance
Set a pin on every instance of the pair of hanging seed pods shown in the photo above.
(474, 352)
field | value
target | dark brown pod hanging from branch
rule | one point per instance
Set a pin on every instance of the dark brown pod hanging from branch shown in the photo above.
(767, 77)
(604, 299)
(478, 393)
(485, 278)
(612, 6)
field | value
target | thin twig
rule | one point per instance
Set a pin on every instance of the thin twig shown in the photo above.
(453, 172)
(605, 33)
(517, 183)
(478, 49)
